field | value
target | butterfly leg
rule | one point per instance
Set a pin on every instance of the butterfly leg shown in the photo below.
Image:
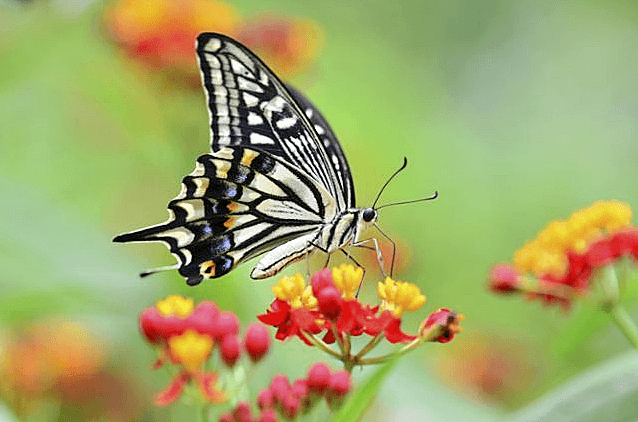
(313, 244)
(361, 244)
(358, 265)
(394, 248)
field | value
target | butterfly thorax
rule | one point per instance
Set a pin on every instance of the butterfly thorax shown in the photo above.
(346, 227)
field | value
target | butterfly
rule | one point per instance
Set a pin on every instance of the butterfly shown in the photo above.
(276, 182)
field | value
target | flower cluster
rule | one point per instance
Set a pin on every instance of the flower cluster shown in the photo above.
(291, 400)
(567, 258)
(186, 336)
(60, 369)
(161, 34)
(329, 308)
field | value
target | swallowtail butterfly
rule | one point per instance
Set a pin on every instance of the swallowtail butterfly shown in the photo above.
(276, 182)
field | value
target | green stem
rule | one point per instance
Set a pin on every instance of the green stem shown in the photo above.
(610, 285)
(380, 359)
(321, 345)
(375, 340)
(624, 323)
(203, 413)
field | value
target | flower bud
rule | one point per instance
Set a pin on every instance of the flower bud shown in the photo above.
(300, 388)
(230, 350)
(320, 280)
(441, 326)
(150, 323)
(290, 406)
(204, 318)
(225, 323)
(265, 399)
(330, 303)
(318, 378)
(226, 417)
(504, 279)
(256, 341)
(339, 384)
(267, 415)
(242, 412)
(338, 387)
(280, 388)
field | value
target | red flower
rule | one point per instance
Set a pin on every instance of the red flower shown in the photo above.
(330, 306)
(290, 322)
(560, 264)
(174, 315)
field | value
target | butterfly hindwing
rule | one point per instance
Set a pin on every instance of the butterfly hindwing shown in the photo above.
(250, 106)
(237, 204)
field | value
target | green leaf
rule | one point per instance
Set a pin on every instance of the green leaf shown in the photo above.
(607, 393)
(358, 402)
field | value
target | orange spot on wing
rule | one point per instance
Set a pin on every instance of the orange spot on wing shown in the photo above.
(230, 222)
(207, 269)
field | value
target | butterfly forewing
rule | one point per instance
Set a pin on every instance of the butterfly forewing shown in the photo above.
(250, 106)
(330, 143)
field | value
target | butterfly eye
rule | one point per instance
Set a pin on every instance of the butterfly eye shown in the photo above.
(369, 214)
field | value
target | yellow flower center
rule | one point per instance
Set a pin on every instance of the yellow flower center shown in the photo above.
(347, 280)
(399, 296)
(294, 291)
(547, 253)
(175, 306)
(191, 348)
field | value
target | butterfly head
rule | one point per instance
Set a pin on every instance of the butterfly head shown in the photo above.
(369, 215)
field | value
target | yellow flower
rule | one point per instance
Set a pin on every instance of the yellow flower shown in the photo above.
(347, 280)
(547, 254)
(175, 306)
(191, 349)
(294, 291)
(399, 296)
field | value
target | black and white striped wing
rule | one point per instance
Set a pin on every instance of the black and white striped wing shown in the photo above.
(251, 107)
(329, 142)
(237, 204)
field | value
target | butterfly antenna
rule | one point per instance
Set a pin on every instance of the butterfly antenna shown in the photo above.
(404, 165)
(429, 198)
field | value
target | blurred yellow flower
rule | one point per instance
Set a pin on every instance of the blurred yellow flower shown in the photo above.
(191, 349)
(547, 253)
(175, 305)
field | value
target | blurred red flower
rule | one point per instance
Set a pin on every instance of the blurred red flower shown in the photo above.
(161, 34)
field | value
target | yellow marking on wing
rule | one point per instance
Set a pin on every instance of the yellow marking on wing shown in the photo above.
(222, 168)
(248, 157)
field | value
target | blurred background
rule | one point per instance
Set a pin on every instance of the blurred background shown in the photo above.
(518, 112)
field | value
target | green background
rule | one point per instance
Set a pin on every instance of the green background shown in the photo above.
(517, 112)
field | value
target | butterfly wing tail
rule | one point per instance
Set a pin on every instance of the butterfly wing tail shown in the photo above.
(147, 234)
